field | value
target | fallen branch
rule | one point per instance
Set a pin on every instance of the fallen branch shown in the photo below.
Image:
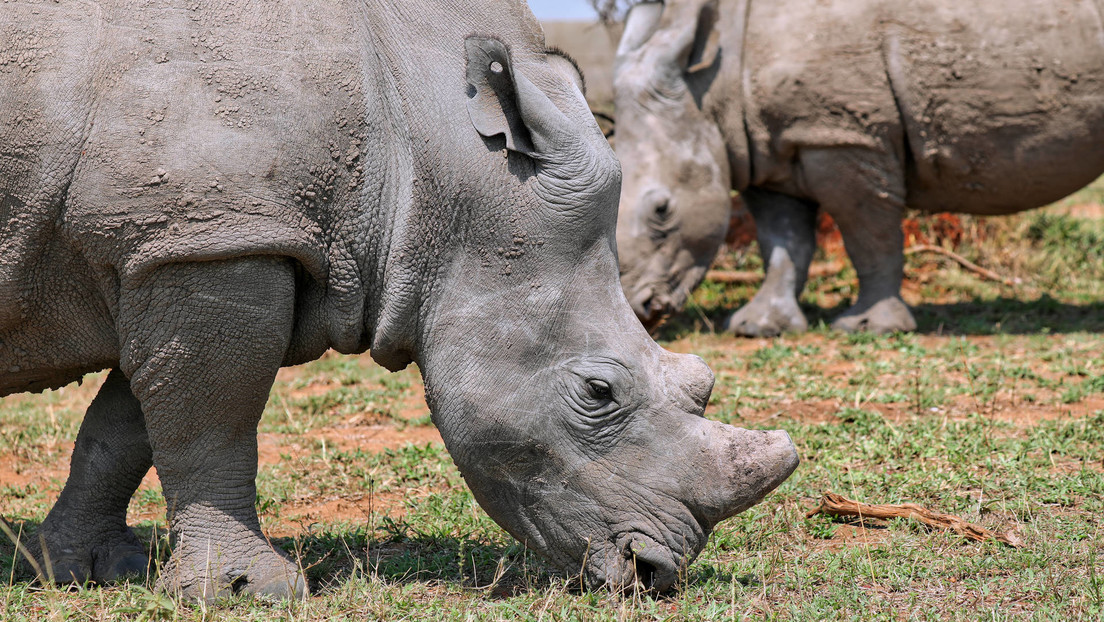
(832, 504)
(733, 276)
(962, 261)
(749, 277)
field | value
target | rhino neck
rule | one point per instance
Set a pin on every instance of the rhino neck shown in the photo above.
(395, 267)
(725, 99)
(436, 181)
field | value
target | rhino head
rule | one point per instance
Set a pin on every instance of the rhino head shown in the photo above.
(675, 200)
(575, 431)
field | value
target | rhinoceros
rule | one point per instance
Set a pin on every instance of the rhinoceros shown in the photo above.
(193, 195)
(859, 108)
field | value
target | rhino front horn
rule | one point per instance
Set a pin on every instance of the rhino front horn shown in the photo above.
(752, 463)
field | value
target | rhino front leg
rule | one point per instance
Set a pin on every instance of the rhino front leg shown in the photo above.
(786, 228)
(203, 343)
(866, 199)
(85, 536)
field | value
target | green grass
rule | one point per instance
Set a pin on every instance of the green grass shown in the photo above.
(993, 411)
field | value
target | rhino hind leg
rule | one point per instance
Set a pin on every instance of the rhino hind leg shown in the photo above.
(85, 536)
(203, 344)
(865, 196)
(786, 228)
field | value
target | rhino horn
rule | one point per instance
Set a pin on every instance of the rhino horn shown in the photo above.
(678, 34)
(743, 466)
(640, 25)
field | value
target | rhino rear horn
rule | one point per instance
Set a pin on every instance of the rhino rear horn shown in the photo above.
(681, 35)
(640, 25)
(503, 102)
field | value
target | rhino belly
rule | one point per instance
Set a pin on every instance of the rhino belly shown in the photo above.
(65, 329)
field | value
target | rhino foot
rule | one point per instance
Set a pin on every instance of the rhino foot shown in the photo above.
(196, 576)
(112, 558)
(770, 318)
(886, 316)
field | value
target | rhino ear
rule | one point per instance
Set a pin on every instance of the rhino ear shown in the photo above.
(706, 39)
(502, 101)
(492, 95)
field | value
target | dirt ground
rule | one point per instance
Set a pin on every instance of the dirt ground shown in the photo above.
(44, 467)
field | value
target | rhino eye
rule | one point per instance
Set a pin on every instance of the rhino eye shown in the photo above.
(599, 390)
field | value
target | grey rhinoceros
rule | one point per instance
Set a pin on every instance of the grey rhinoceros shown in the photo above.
(195, 194)
(860, 108)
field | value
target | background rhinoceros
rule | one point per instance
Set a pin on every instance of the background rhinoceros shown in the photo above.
(195, 194)
(860, 108)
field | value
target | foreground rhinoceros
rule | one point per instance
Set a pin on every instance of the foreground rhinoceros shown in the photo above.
(860, 108)
(194, 196)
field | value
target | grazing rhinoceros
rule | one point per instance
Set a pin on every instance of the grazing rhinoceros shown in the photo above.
(860, 108)
(195, 194)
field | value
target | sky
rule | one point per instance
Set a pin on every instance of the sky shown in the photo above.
(562, 9)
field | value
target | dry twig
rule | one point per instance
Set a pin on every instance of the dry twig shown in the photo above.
(742, 277)
(962, 261)
(832, 504)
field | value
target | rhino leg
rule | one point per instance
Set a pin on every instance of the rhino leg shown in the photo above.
(85, 536)
(203, 342)
(866, 199)
(786, 227)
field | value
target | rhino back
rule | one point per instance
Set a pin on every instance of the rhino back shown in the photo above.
(180, 131)
(987, 107)
(813, 77)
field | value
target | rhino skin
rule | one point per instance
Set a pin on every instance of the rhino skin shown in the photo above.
(193, 195)
(859, 108)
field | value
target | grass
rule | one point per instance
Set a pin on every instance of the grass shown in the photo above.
(993, 411)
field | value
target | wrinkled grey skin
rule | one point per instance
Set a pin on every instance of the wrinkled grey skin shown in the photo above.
(858, 108)
(193, 197)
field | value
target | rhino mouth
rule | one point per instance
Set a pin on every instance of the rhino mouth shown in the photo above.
(655, 302)
(654, 567)
(652, 305)
(639, 562)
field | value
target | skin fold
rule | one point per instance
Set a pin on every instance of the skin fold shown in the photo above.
(194, 196)
(861, 109)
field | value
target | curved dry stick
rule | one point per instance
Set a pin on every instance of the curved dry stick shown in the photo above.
(962, 261)
(832, 504)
